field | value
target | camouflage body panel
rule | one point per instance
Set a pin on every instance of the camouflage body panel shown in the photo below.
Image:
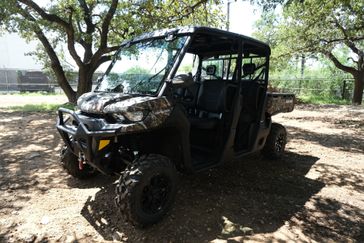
(278, 103)
(145, 103)
(95, 103)
(152, 120)
(156, 109)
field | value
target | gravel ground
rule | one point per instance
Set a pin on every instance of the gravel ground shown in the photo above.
(315, 193)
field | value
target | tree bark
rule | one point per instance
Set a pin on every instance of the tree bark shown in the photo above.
(358, 88)
(84, 80)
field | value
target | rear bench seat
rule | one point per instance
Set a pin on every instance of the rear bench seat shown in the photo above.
(210, 104)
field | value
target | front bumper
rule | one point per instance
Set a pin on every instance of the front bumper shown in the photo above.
(87, 135)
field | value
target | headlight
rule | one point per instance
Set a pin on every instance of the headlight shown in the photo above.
(119, 117)
(134, 116)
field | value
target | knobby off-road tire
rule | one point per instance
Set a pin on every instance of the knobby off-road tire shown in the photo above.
(146, 190)
(69, 161)
(276, 142)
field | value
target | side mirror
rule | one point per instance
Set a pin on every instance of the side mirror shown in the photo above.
(182, 80)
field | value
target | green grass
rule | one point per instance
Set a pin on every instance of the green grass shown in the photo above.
(39, 93)
(322, 100)
(40, 107)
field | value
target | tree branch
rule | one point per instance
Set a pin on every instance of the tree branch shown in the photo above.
(352, 59)
(56, 19)
(338, 64)
(111, 49)
(361, 64)
(90, 27)
(348, 40)
(353, 47)
(104, 33)
(49, 17)
(188, 11)
(102, 60)
(106, 23)
(55, 63)
(359, 38)
(71, 43)
(95, 61)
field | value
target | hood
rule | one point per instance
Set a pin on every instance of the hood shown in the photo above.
(103, 103)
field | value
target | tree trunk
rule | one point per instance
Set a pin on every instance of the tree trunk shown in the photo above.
(63, 83)
(358, 88)
(84, 80)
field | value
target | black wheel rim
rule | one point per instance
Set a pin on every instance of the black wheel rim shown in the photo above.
(280, 142)
(156, 194)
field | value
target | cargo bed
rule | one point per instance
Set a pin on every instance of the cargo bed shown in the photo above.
(279, 102)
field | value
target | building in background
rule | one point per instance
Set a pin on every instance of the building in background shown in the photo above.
(25, 80)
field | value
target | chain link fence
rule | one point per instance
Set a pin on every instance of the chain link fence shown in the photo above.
(340, 89)
(13, 80)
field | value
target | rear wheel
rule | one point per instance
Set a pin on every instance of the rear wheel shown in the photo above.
(70, 162)
(276, 142)
(146, 190)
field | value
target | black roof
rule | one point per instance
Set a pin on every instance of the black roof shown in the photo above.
(210, 36)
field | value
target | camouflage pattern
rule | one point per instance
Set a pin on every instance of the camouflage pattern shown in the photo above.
(155, 109)
(95, 102)
(277, 103)
(153, 119)
(138, 104)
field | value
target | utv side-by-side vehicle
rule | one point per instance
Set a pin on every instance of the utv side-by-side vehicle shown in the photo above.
(173, 100)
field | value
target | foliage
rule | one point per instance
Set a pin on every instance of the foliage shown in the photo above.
(314, 28)
(269, 5)
(321, 100)
(137, 70)
(91, 30)
(39, 93)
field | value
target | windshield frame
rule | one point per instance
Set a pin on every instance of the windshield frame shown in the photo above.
(169, 70)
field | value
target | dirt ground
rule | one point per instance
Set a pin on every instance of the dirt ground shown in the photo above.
(315, 193)
(34, 99)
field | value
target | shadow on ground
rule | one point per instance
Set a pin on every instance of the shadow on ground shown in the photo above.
(28, 157)
(326, 220)
(254, 193)
(347, 123)
(338, 176)
(344, 142)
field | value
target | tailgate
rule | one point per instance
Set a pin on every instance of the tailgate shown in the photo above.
(279, 102)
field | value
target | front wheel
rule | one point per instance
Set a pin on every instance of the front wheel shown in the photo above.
(146, 190)
(70, 162)
(276, 142)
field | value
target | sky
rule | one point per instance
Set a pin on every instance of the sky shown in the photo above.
(13, 48)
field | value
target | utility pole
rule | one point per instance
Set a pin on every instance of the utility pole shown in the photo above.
(228, 14)
(303, 62)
